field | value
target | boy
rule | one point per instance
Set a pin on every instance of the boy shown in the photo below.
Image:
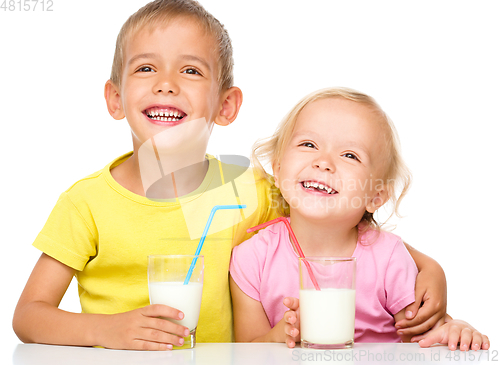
(172, 80)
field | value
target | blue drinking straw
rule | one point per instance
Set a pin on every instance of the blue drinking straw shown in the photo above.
(204, 235)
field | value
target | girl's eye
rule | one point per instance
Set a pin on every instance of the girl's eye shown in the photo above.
(145, 69)
(351, 156)
(308, 144)
(191, 71)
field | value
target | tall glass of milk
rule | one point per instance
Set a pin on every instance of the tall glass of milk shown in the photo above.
(327, 314)
(166, 276)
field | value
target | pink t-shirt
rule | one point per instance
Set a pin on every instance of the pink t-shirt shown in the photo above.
(265, 268)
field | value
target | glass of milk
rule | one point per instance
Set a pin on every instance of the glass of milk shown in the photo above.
(327, 315)
(166, 275)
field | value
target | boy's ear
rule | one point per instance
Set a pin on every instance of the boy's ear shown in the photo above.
(113, 101)
(231, 103)
(378, 200)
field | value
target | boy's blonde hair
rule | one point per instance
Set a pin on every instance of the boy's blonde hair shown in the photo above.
(397, 178)
(159, 13)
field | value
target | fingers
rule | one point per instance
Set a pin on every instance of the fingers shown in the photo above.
(418, 338)
(291, 331)
(428, 313)
(291, 321)
(486, 342)
(292, 303)
(435, 336)
(412, 309)
(474, 340)
(160, 330)
(155, 311)
(290, 317)
(417, 325)
(453, 337)
(292, 335)
(159, 310)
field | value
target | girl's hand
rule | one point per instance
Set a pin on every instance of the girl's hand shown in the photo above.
(292, 321)
(452, 333)
(430, 291)
(142, 329)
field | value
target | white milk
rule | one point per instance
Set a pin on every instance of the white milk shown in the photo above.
(186, 298)
(327, 316)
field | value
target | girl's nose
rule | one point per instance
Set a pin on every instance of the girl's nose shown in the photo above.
(324, 164)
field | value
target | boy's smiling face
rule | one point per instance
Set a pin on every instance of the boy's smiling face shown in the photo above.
(170, 77)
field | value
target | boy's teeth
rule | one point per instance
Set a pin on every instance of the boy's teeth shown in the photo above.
(165, 115)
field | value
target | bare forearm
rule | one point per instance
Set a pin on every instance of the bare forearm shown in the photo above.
(276, 334)
(39, 322)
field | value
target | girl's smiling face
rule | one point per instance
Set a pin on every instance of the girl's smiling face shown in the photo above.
(334, 164)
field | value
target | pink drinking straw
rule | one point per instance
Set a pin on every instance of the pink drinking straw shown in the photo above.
(294, 242)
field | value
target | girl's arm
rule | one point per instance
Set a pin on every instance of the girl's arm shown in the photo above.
(38, 319)
(430, 296)
(452, 333)
(250, 320)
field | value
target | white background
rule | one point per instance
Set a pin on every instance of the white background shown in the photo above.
(432, 65)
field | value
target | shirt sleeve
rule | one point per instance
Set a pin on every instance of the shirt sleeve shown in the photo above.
(246, 266)
(67, 235)
(400, 279)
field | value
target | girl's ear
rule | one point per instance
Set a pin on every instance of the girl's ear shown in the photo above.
(230, 107)
(113, 101)
(379, 199)
(276, 171)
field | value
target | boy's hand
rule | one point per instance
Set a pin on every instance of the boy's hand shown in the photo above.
(292, 321)
(430, 289)
(452, 333)
(141, 329)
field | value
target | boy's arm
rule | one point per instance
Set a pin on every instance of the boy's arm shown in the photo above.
(398, 317)
(37, 317)
(250, 320)
(430, 291)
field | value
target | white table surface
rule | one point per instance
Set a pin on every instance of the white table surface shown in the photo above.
(246, 353)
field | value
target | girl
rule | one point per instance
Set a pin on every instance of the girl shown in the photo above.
(336, 161)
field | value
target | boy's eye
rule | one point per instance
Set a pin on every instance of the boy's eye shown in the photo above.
(191, 71)
(351, 156)
(145, 69)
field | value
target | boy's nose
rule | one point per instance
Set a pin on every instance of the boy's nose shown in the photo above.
(165, 86)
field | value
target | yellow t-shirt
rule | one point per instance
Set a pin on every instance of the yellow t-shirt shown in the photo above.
(106, 233)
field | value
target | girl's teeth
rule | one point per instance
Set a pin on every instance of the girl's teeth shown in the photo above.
(318, 186)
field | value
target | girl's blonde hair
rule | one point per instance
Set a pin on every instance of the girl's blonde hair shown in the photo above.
(397, 178)
(158, 13)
